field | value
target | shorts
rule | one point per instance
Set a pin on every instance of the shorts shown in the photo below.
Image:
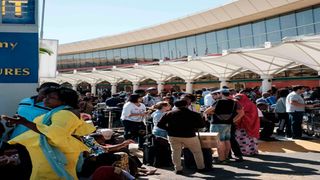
(224, 131)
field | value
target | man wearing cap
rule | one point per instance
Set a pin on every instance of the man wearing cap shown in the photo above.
(151, 98)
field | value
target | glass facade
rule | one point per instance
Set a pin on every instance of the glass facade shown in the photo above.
(248, 35)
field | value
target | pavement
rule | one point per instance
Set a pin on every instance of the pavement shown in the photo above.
(284, 159)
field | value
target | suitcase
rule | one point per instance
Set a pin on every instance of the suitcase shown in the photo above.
(190, 163)
(157, 152)
(209, 139)
(149, 150)
(162, 153)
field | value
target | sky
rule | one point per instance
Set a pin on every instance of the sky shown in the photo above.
(75, 20)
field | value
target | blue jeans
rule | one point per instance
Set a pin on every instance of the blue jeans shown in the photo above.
(160, 132)
(295, 118)
(224, 131)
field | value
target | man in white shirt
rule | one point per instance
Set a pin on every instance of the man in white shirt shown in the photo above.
(152, 97)
(208, 100)
(295, 107)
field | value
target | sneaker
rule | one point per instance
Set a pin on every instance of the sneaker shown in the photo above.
(178, 172)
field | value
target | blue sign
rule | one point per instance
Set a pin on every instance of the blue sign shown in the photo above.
(19, 56)
(18, 11)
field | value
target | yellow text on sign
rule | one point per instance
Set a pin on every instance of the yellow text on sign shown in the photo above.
(17, 6)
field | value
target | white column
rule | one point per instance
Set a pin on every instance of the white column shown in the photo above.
(160, 86)
(188, 86)
(74, 87)
(266, 82)
(93, 88)
(223, 82)
(135, 85)
(113, 88)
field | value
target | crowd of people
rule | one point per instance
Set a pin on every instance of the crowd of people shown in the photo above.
(49, 138)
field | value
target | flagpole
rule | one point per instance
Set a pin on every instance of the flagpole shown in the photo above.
(42, 19)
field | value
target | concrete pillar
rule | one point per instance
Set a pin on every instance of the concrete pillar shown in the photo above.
(189, 86)
(135, 85)
(113, 88)
(160, 86)
(223, 82)
(93, 88)
(266, 82)
(74, 87)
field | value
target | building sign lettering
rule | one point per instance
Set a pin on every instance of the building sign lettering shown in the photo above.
(19, 57)
(18, 11)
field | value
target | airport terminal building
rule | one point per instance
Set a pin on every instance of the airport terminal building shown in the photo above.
(244, 24)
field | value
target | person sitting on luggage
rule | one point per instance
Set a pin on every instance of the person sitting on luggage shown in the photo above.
(181, 125)
(225, 111)
(266, 124)
(105, 155)
(162, 107)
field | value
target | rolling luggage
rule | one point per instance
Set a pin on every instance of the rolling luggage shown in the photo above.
(157, 152)
(190, 163)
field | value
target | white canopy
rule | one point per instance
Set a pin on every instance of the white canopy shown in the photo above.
(265, 62)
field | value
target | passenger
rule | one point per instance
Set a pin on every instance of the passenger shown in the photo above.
(169, 99)
(281, 114)
(315, 95)
(32, 107)
(295, 107)
(265, 122)
(263, 99)
(114, 101)
(151, 98)
(224, 111)
(105, 155)
(208, 99)
(248, 126)
(15, 162)
(132, 117)
(86, 105)
(271, 100)
(162, 107)
(191, 100)
(53, 149)
(180, 125)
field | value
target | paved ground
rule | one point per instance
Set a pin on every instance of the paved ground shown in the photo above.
(285, 159)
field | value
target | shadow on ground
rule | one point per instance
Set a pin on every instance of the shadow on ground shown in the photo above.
(251, 168)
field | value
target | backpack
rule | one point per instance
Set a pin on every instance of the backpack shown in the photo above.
(224, 109)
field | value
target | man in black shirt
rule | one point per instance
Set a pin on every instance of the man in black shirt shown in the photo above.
(181, 125)
(224, 112)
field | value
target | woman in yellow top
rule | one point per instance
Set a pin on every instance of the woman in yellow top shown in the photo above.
(51, 141)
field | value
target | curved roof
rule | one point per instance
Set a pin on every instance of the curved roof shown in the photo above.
(265, 62)
(234, 13)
